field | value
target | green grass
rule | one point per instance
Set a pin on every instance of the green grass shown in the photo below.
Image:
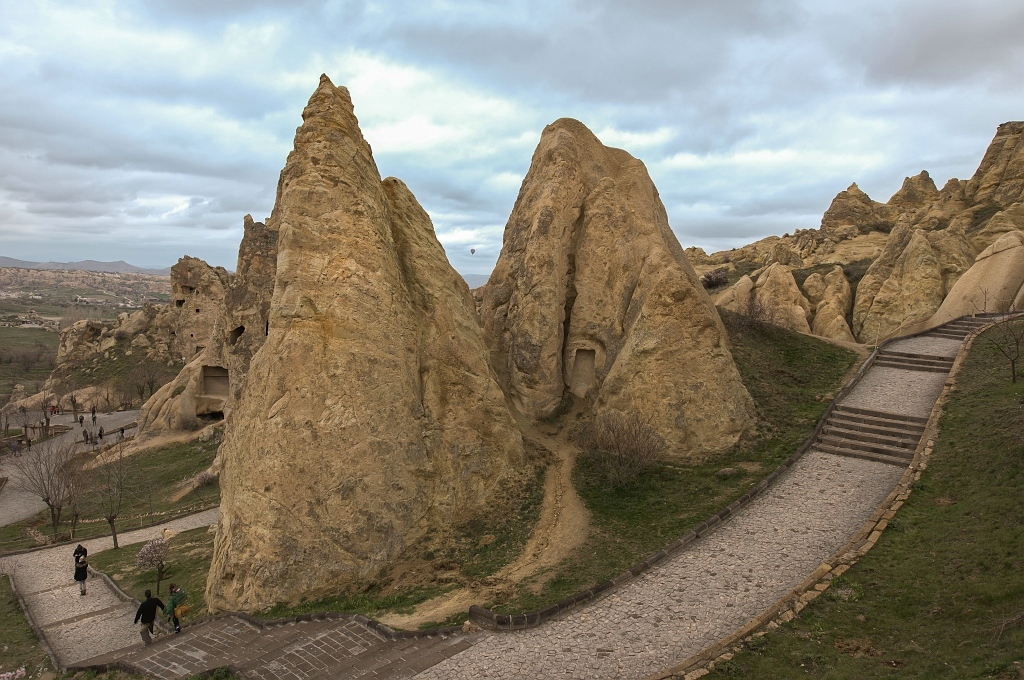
(188, 562)
(791, 377)
(18, 644)
(156, 476)
(14, 340)
(942, 593)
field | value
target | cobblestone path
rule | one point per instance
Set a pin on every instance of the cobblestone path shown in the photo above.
(78, 627)
(15, 504)
(679, 607)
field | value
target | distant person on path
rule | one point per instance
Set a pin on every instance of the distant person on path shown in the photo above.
(146, 614)
(176, 608)
(122, 433)
(101, 433)
(93, 415)
(81, 420)
(81, 573)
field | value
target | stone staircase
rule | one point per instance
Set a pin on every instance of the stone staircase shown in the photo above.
(872, 435)
(914, 362)
(337, 648)
(958, 329)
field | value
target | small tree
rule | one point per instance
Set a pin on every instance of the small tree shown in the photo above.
(47, 471)
(153, 555)
(622, 446)
(1007, 336)
(110, 486)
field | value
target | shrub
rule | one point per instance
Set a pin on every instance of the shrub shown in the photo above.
(716, 278)
(204, 479)
(622, 446)
(153, 555)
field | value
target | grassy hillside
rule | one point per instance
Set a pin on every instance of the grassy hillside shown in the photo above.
(942, 593)
(791, 377)
(26, 357)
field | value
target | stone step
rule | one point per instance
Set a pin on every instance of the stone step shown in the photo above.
(880, 415)
(910, 366)
(952, 335)
(867, 426)
(855, 445)
(919, 357)
(899, 441)
(865, 455)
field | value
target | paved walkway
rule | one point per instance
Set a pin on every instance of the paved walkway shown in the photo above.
(15, 504)
(79, 627)
(679, 607)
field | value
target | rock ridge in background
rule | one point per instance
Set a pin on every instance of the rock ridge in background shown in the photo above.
(593, 296)
(369, 416)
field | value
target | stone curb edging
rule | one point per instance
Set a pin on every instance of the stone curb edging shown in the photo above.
(32, 624)
(496, 621)
(163, 520)
(792, 603)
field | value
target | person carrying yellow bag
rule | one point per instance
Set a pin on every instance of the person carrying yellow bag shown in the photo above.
(176, 607)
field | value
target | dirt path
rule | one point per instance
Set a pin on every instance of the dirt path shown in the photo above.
(562, 527)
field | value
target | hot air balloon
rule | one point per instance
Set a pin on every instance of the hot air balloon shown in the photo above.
(472, 251)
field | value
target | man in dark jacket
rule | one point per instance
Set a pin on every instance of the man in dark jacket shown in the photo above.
(147, 614)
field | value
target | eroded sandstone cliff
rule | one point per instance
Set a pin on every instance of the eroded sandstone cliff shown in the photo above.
(369, 415)
(593, 296)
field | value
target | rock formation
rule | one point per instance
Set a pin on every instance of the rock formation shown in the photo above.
(772, 296)
(593, 296)
(994, 283)
(832, 298)
(944, 231)
(369, 416)
(222, 321)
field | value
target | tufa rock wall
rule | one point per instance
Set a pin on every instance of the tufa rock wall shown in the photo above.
(369, 416)
(592, 296)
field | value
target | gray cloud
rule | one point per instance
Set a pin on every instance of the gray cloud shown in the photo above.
(147, 129)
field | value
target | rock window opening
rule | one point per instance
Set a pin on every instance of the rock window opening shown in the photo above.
(215, 381)
(197, 310)
(199, 348)
(267, 329)
(211, 417)
(235, 334)
(179, 303)
(188, 290)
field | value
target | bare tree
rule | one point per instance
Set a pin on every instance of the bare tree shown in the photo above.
(76, 495)
(46, 471)
(622, 445)
(153, 555)
(1007, 336)
(111, 487)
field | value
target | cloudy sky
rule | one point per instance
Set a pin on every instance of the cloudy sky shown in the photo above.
(145, 131)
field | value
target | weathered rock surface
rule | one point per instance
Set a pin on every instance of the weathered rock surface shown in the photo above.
(994, 283)
(772, 297)
(959, 221)
(222, 322)
(593, 296)
(369, 416)
(832, 298)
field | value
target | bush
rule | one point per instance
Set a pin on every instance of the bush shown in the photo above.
(716, 278)
(622, 446)
(204, 479)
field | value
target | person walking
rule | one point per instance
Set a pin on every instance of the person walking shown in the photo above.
(146, 615)
(176, 608)
(81, 573)
(101, 433)
(81, 420)
(94, 414)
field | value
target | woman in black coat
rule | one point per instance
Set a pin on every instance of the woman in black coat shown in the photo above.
(81, 573)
